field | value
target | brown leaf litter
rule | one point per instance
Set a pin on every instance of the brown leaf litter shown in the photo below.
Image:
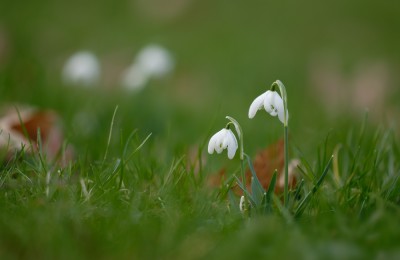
(22, 126)
(265, 163)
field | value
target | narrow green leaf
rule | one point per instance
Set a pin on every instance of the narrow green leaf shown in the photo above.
(248, 195)
(110, 134)
(271, 186)
(139, 147)
(233, 202)
(256, 193)
(298, 190)
(128, 141)
(257, 189)
(308, 172)
(270, 191)
(114, 172)
(283, 210)
(305, 201)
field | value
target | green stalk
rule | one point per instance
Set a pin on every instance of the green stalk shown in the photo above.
(282, 90)
(243, 181)
(286, 159)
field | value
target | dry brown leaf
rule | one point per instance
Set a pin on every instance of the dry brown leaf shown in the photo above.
(19, 128)
(265, 163)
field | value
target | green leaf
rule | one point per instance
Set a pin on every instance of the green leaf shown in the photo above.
(248, 195)
(305, 201)
(297, 192)
(257, 189)
(267, 201)
(233, 202)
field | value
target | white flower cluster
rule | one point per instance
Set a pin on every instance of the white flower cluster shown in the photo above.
(271, 101)
(153, 61)
(82, 68)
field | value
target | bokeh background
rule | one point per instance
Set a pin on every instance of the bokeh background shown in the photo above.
(336, 58)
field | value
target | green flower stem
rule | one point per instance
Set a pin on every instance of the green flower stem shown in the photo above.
(286, 158)
(243, 182)
(282, 90)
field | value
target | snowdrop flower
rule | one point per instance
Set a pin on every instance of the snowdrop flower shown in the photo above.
(153, 61)
(224, 139)
(82, 68)
(271, 102)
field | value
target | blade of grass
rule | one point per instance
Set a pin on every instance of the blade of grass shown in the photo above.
(24, 130)
(304, 202)
(246, 192)
(256, 187)
(110, 134)
(233, 202)
(270, 192)
(139, 147)
(283, 210)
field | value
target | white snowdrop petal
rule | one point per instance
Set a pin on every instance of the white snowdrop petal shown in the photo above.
(277, 102)
(233, 138)
(268, 102)
(281, 115)
(225, 141)
(256, 105)
(214, 140)
(211, 144)
(219, 140)
(232, 146)
(231, 151)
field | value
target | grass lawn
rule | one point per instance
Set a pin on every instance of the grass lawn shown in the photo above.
(134, 188)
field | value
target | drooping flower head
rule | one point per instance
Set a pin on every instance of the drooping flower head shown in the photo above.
(224, 139)
(271, 102)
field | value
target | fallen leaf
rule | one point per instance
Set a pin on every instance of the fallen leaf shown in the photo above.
(20, 127)
(265, 163)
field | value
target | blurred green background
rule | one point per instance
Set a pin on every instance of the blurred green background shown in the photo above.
(335, 58)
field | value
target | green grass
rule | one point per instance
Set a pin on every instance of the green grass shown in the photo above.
(163, 209)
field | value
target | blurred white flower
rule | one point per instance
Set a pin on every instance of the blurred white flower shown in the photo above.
(134, 77)
(153, 61)
(224, 139)
(82, 68)
(271, 102)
